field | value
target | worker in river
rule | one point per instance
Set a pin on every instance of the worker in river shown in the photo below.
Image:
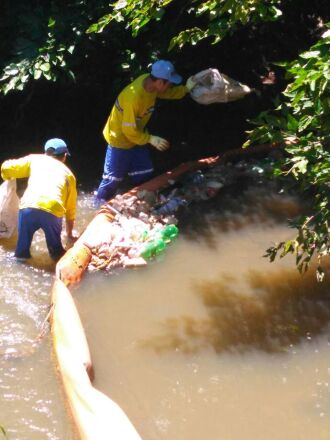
(50, 195)
(127, 151)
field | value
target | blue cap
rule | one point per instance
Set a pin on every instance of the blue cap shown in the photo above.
(58, 145)
(163, 69)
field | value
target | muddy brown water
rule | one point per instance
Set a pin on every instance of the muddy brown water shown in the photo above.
(32, 405)
(209, 341)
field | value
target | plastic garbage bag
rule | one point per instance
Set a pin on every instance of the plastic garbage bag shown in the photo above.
(9, 202)
(213, 86)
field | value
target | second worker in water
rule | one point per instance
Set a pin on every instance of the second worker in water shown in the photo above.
(51, 194)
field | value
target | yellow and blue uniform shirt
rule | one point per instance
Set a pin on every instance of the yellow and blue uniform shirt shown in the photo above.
(132, 111)
(51, 185)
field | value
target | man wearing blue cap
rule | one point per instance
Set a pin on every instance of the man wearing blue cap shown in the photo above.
(125, 133)
(50, 195)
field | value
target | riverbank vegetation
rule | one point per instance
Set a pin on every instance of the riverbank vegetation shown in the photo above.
(62, 64)
(302, 121)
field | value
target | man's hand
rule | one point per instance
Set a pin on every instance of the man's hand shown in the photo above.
(73, 237)
(190, 84)
(159, 143)
(70, 240)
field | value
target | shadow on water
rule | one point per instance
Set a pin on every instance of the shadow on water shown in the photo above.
(282, 308)
(239, 205)
(286, 308)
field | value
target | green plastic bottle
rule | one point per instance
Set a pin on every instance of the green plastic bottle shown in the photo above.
(169, 232)
(152, 248)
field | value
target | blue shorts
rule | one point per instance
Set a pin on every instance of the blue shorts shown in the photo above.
(32, 219)
(119, 162)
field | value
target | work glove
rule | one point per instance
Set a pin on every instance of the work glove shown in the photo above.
(190, 84)
(159, 143)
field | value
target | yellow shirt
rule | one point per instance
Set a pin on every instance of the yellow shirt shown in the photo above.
(132, 111)
(51, 185)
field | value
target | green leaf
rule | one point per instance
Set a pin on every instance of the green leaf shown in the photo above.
(304, 122)
(310, 54)
(51, 22)
(292, 123)
(47, 75)
(302, 165)
(37, 74)
(12, 71)
(71, 48)
(45, 67)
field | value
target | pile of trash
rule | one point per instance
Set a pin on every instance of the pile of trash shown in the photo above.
(145, 223)
(131, 241)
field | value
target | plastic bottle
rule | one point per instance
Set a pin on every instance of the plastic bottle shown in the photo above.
(168, 233)
(195, 178)
(152, 248)
(171, 206)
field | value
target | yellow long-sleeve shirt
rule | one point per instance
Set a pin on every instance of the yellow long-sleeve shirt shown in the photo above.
(51, 185)
(132, 111)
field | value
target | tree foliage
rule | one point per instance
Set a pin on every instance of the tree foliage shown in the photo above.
(302, 122)
(39, 39)
(213, 18)
(46, 40)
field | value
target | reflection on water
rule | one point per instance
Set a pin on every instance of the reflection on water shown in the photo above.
(31, 404)
(286, 308)
(255, 205)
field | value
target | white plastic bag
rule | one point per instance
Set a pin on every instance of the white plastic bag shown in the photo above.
(9, 202)
(213, 86)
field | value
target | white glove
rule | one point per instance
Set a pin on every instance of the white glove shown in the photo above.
(159, 143)
(190, 84)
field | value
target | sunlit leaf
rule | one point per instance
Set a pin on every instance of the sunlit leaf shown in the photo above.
(45, 67)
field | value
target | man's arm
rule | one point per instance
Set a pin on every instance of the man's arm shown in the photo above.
(69, 228)
(176, 92)
(129, 127)
(71, 203)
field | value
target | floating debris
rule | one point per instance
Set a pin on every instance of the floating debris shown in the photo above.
(143, 224)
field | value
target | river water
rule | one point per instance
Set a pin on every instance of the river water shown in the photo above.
(209, 341)
(31, 400)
